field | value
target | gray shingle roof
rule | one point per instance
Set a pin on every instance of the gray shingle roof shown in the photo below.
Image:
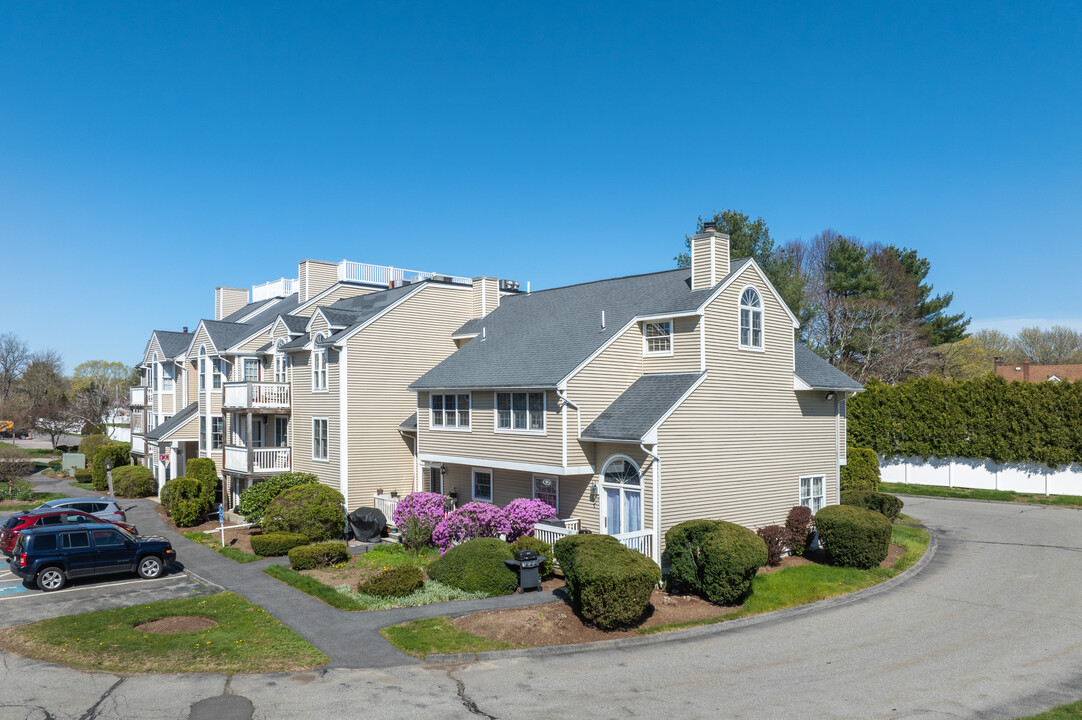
(638, 409)
(820, 374)
(173, 423)
(225, 335)
(339, 318)
(236, 315)
(269, 314)
(298, 342)
(173, 343)
(295, 323)
(471, 327)
(535, 340)
(410, 423)
(359, 310)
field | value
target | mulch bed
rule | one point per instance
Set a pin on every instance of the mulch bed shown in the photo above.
(177, 624)
(240, 538)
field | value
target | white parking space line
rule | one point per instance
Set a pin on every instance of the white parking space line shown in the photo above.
(88, 587)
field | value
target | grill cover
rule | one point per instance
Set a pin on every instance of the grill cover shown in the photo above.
(367, 524)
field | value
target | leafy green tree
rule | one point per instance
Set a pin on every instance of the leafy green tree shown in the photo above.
(114, 378)
(910, 289)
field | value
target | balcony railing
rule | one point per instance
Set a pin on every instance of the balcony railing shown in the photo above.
(349, 271)
(139, 396)
(256, 396)
(257, 461)
(642, 540)
(138, 444)
(283, 287)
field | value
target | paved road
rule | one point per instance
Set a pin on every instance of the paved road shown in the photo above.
(990, 629)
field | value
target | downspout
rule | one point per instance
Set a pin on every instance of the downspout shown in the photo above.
(562, 394)
(838, 440)
(655, 516)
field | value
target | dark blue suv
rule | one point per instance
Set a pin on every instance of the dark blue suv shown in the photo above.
(50, 556)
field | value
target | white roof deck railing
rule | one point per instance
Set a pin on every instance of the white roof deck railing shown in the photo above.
(282, 287)
(349, 271)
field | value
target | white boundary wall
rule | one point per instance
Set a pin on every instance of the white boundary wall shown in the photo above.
(983, 474)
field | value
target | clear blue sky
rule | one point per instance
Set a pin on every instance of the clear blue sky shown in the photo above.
(150, 151)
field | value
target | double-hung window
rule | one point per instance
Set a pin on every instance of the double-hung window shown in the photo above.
(216, 432)
(812, 493)
(167, 377)
(657, 338)
(154, 370)
(280, 368)
(251, 370)
(319, 369)
(218, 368)
(319, 438)
(202, 368)
(202, 433)
(450, 411)
(520, 411)
(751, 319)
(482, 485)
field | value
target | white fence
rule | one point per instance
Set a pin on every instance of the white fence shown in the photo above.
(983, 475)
(283, 287)
(551, 533)
(386, 505)
(349, 271)
(642, 540)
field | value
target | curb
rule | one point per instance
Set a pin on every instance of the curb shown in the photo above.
(705, 630)
(205, 582)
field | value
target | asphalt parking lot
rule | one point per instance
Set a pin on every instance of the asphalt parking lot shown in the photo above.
(21, 604)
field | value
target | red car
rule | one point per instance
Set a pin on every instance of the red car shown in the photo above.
(20, 521)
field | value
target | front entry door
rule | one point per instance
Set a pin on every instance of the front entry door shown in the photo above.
(435, 480)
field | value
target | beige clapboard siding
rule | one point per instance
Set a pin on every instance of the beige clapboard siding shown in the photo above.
(736, 448)
(482, 440)
(507, 485)
(599, 383)
(486, 296)
(383, 359)
(308, 405)
(686, 353)
(250, 347)
(339, 292)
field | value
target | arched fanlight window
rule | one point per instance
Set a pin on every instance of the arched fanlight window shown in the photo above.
(751, 319)
(621, 496)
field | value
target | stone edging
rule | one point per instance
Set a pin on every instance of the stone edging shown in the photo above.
(704, 630)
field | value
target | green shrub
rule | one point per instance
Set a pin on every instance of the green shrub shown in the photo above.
(889, 505)
(714, 559)
(476, 566)
(83, 475)
(203, 470)
(309, 557)
(89, 445)
(56, 466)
(861, 469)
(134, 481)
(799, 524)
(314, 511)
(276, 544)
(776, 538)
(120, 454)
(187, 504)
(526, 542)
(609, 584)
(394, 582)
(854, 536)
(255, 498)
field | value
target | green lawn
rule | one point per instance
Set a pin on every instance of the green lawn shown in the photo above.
(313, 587)
(1073, 711)
(245, 639)
(214, 543)
(437, 636)
(83, 486)
(38, 499)
(33, 452)
(974, 494)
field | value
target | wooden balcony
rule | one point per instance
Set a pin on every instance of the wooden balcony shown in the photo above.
(139, 396)
(257, 461)
(263, 397)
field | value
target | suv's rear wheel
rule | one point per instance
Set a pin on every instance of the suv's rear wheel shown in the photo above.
(51, 578)
(150, 567)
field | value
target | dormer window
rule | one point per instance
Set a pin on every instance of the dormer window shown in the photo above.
(657, 338)
(751, 320)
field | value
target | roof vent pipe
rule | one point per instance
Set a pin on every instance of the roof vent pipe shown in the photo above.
(185, 329)
(602, 319)
(483, 333)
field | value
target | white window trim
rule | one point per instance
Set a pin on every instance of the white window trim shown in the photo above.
(491, 484)
(325, 355)
(202, 372)
(813, 476)
(511, 430)
(210, 438)
(258, 368)
(602, 485)
(533, 487)
(762, 320)
(327, 441)
(646, 352)
(455, 428)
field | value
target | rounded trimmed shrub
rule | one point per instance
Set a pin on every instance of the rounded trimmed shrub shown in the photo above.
(187, 505)
(889, 505)
(90, 444)
(476, 566)
(799, 525)
(854, 536)
(134, 481)
(276, 544)
(609, 584)
(121, 455)
(527, 542)
(309, 557)
(83, 475)
(861, 469)
(394, 582)
(255, 498)
(714, 559)
(203, 470)
(314, 511)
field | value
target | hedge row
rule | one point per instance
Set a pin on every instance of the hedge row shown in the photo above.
(309, 557)
(276, 544)
(983, 418)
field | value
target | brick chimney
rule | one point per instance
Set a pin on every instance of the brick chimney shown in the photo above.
(486, 295)
(1025, 370)
(228, 300)
(709, 257)
(313, 277)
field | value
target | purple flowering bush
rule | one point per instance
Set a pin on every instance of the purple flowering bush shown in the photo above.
(472, 520)
(417, 515)
(523, 513)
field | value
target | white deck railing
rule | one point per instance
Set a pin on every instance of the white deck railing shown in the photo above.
(551, 533)
(386, 505)
(283, 287)
(349, 271)
(264, 460)
(138, 444)
(138, 396)
(256, 395)
(642, 540)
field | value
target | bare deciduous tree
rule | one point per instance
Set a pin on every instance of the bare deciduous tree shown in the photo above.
(1056, 346)
(14, 357)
